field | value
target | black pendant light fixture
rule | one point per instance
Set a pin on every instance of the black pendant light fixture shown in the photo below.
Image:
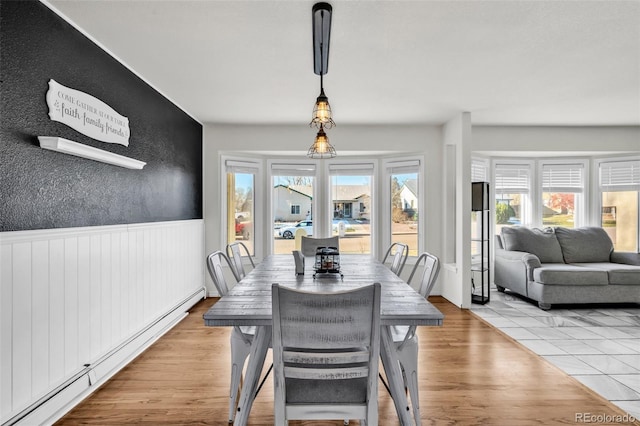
(321, 148)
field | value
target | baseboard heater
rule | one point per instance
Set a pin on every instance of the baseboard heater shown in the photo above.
(62, 399)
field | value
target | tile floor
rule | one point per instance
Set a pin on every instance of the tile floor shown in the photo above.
(598, 345)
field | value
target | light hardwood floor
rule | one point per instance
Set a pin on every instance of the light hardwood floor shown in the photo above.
(471, 374)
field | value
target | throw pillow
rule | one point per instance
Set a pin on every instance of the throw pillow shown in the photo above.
(541, 243)
(583, 245)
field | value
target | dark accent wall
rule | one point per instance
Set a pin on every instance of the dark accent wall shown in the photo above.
(41, 189)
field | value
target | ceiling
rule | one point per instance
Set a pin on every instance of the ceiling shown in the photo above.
(391, 62)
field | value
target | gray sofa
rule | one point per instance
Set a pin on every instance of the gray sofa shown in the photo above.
(565, 266)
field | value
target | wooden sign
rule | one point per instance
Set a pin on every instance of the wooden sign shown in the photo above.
(86, 114)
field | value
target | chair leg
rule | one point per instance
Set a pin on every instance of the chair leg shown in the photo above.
(234, 390)
(239, 354)
(412, 379)
(408, 358)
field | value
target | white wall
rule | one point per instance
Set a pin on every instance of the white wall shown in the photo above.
(456, 277)
(509, 140)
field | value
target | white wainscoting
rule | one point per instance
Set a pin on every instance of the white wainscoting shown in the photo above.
(71, 298)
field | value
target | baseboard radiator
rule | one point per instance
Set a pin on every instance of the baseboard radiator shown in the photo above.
(62, 399)
(78, 304)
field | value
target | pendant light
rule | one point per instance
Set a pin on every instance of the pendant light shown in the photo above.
(322, 119)
(321, 147)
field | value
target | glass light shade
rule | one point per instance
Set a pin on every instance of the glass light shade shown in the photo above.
(322, 113)
(321, 147)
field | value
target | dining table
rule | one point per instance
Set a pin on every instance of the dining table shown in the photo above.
(248, 303)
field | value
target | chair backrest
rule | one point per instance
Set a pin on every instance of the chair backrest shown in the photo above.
(310, 244)
(429, 273)
(214, 265)
(399, 253)
(325, 354)
(235, 254)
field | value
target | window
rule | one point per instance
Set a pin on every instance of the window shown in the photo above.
(619, 183)
(512, 192)
(291, 204)
(240, 178)
(404, 190)
(351, 199)
(562, 194)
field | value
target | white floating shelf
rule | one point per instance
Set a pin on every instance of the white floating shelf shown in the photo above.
(80, 150)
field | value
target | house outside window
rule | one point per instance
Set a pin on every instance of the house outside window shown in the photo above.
(404, 181)
(291, 204)
(351, 189)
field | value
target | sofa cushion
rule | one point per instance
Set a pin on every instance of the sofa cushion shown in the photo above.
(619, 274)
(542, 243)
(584, 245)
(562, 274)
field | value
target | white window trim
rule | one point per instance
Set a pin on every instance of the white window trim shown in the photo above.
(527, 213)
(597, 190)
(243, 164)
(300, 168)
(389, 167)
(581, 218)
(349, 167)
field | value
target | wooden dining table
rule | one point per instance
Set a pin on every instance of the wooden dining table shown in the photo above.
(248, 303)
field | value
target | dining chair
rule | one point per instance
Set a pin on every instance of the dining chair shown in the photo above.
(235, 254)
(309, 244)
(326, 349)
(398, 257)
(405, 341)
(241, 337)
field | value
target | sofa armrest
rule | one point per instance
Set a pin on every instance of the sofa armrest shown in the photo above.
(628, 258)
(514, 269)
(530, 261)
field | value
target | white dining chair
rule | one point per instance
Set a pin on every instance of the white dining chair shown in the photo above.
(309, 245)
(325, 354)
(235, 255)
(399, 253)
(241, 337)
(405, 340)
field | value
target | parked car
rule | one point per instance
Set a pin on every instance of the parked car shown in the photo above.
(290, 231)
(243, 229)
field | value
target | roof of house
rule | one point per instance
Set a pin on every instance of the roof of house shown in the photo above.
(300, 189)
(411, 185)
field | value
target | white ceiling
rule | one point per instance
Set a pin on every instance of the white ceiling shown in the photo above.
(391, 62)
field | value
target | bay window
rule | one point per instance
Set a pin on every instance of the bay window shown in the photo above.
(619, 186)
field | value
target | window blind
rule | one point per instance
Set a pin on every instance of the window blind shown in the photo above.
(293, 169)
(234, 166)
(362, 169)
(563, 178)
(399, 167)
(512, 178)
(479, 170)
(620, 176)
